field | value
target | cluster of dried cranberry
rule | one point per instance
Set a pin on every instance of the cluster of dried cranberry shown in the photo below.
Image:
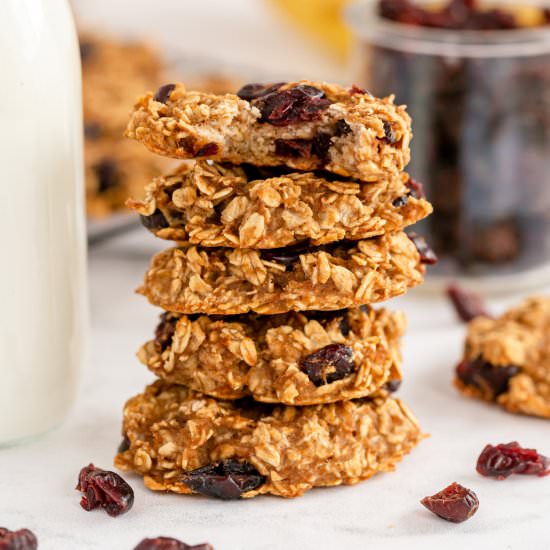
(281, 106)
(484, 218)
(456, 14)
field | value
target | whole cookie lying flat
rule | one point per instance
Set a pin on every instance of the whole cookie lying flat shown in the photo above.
(223, 281)
(292, 358)
(213, 204)
(507, 360)
(304, 125)
(186, 442)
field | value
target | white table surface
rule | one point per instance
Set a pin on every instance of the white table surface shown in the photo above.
(37, 480)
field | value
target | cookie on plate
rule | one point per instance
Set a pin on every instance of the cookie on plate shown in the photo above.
(507, 360)
(186, 442)
(304, 125)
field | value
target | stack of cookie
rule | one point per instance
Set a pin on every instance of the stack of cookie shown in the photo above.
(275, 372)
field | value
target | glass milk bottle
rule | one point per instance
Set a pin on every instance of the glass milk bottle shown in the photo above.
(42, 228)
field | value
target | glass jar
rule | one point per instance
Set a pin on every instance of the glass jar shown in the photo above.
(42, 282)
(480, 104)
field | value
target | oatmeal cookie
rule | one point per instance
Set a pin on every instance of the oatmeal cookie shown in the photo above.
(213, 204)
(304, 125)
(507, 360)
(186, 442)
(228, 281)
(113, 74)
(293, 358)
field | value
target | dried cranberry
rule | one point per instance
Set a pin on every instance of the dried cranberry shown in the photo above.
(227, 479)
(358, 90)
(124, 444)
(341, 128)
(155, 221)
(304, 148)
(187, 144)
(389, 135)
(286, 255)
(165, 331)
(344, 326)
(209, 150)
(454, 503)
(298, 104)
(331, 363)
(163, 93)
(392, 385)
(400, 201)
(427, 255)
(491, 380)
(167, 543)
(321, 145)
(416, 189)
(294, 148)
(104, 489)
(264, 172)
(108, 175)
(504, 460)
(467, 304)
(254, 91)
(23, 539)
(325, 317)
